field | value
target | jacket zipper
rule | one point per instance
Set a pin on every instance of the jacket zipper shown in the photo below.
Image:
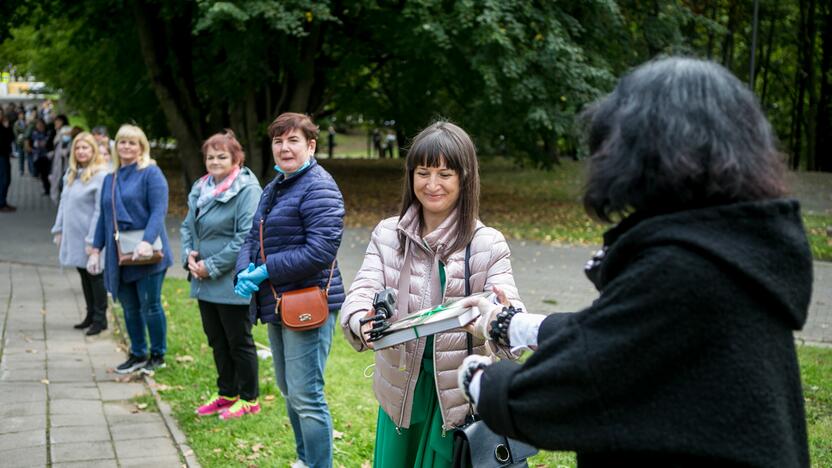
(413, 361)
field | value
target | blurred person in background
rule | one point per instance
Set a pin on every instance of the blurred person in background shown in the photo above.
(6, 150)
(39, 142)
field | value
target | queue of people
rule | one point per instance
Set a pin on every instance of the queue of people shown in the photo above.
(685, 358)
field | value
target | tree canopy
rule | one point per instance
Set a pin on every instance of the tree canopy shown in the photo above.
(515, 73)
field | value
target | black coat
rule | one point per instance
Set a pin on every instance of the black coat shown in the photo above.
(687, 357)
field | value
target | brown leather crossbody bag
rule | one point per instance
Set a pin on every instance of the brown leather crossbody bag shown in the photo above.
(301, 309)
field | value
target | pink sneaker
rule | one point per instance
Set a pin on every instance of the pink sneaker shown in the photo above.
(216, 404)
(240, 409)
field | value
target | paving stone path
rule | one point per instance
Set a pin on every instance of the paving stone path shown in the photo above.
(60, 403)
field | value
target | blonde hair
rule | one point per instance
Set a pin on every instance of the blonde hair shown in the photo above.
(132, 132)
(95, 164)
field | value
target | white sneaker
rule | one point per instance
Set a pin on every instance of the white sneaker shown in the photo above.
(299, 464)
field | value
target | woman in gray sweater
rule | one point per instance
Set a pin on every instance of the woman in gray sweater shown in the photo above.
(75, 225)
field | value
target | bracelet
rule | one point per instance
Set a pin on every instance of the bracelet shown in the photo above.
(499, 326)
(469, 375)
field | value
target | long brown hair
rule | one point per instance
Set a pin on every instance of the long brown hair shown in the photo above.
(445, 142)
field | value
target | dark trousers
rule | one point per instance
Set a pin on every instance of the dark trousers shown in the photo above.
(43, 166)
(229, 335)
(5, 179)
(95, 296)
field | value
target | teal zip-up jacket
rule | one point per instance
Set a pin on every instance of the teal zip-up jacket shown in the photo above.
(217, 231)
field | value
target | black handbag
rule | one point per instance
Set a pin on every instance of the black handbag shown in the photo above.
(477, 446)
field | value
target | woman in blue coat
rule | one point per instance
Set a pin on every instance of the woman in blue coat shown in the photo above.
(141, 202)
(221, 206)
(302, 212)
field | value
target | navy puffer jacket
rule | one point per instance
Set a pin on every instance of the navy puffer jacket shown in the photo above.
(304, 221)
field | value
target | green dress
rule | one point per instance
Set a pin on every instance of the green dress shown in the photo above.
(424, 444)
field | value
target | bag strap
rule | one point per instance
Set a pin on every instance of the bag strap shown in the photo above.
(113, 200)
(469, 340)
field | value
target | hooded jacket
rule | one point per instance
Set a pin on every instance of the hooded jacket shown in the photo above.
(397, 367)
(303, 223)
(687, 357)
(217, 231)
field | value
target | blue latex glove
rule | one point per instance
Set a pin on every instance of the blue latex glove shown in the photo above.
(245, 286)
(255, 275)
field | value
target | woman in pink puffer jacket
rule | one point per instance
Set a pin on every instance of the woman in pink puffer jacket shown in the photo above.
(416, 382)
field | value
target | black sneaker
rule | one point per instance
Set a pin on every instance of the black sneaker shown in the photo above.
(155, 363)
(133, 363)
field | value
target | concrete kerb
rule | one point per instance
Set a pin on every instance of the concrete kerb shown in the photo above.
(186, 454)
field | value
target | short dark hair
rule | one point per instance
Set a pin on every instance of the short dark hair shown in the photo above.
(445, 142)
(63, 118)
(678, 133)
(225, 141)
(288, 121)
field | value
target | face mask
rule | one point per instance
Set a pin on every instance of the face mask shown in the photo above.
(305, 165)
(66, 138)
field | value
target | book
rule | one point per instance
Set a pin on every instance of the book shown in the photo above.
(444, 317)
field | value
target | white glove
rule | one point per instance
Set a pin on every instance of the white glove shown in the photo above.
(94, 264)
(56, 239)
(471, 368)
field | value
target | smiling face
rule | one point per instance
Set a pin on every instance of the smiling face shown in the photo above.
(219, 164)
(83, 153)
(291, 150)
(129, 150)
(436, 188)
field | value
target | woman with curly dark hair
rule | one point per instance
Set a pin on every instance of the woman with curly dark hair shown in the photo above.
(687, 357)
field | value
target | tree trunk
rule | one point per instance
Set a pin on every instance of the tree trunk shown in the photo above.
(823, 132)
(181, 111)
(728, 42)
(767, 59)
(800, 82)
(811, 89)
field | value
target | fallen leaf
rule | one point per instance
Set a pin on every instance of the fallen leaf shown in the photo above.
(43, 311)
(337, 435)
(217, 450)
(366, 464)
(141, 406)
(45, 381)
(184, 358)
(256, 447)
(268, 397)
(32, 351)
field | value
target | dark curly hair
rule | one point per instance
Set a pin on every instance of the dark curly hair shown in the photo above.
(678, 133)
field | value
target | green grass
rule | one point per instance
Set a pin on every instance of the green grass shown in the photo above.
(816, 372)
(819, 240)
(266, 440)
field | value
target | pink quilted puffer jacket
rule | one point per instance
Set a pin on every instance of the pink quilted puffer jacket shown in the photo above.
(397, 368)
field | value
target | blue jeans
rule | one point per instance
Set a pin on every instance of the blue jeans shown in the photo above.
(142, 304)
(299, 361)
